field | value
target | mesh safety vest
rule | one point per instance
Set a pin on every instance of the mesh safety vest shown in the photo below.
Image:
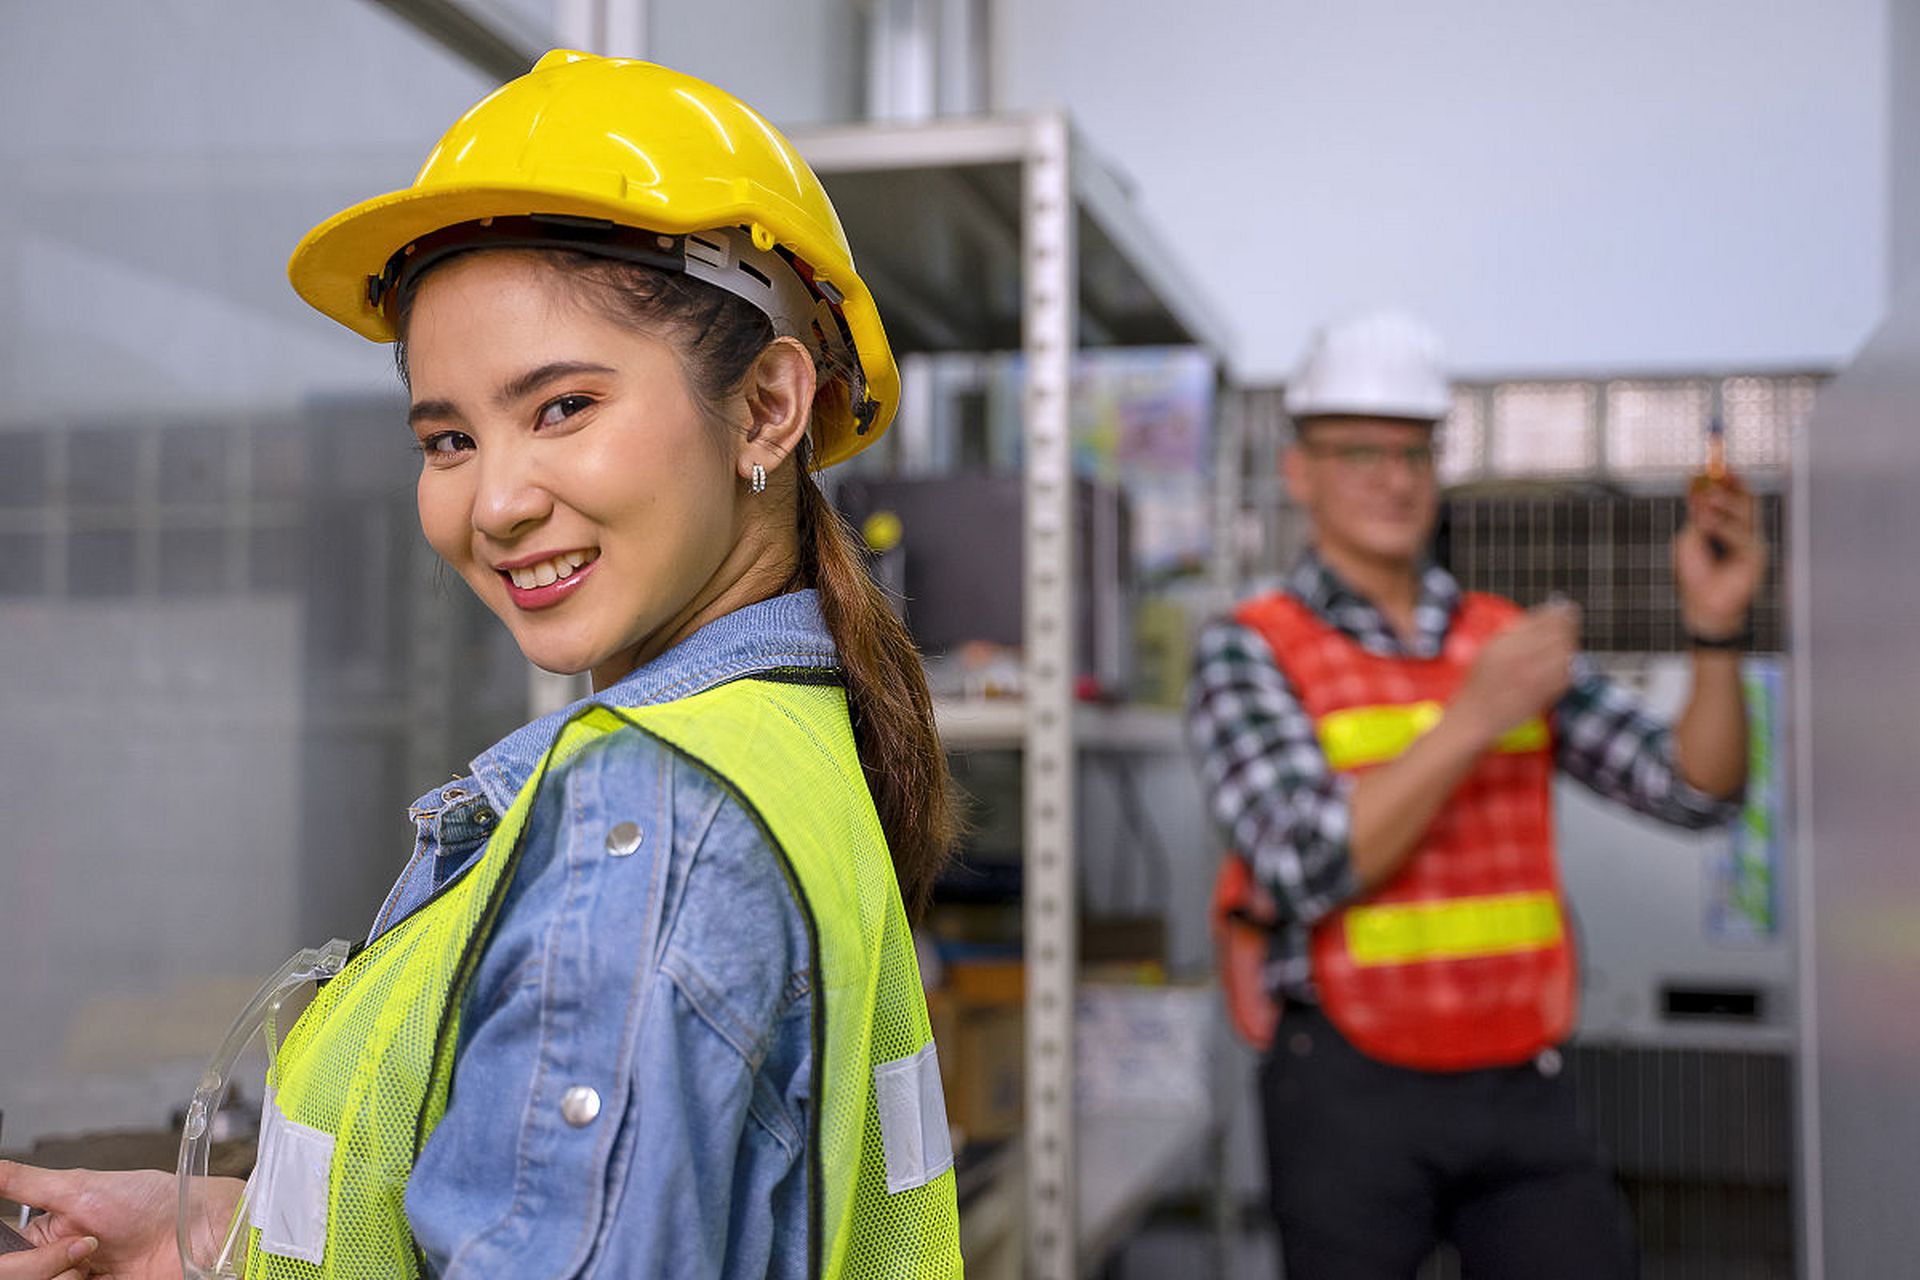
(1461, 960)
(370, 1062)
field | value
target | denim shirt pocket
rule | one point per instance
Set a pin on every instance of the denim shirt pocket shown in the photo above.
(461, 831)
(452, 825)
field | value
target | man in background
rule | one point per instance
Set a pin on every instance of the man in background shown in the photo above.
(1379, 747)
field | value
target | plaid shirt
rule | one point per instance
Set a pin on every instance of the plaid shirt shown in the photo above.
(1272, 792)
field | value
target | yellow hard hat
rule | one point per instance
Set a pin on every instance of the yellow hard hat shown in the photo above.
(635, 161)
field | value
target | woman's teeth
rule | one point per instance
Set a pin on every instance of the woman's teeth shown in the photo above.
(548, 572)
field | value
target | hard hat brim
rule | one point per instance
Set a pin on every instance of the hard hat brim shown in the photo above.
(1412, 415)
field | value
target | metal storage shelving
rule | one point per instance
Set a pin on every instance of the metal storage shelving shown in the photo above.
(1004, 234)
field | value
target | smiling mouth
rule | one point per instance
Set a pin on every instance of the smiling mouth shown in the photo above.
(545, 573)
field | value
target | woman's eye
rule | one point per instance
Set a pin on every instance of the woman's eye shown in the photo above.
(444, 444)
(555, 412)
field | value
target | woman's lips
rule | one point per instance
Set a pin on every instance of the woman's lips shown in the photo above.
(553, 593)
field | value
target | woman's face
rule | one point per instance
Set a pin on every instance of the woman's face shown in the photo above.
(569, 473)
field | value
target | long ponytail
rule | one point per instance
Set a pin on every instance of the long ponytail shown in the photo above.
(887, 689)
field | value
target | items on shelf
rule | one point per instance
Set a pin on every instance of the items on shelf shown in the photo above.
(1144, 1047)
(977, 670)
(982, 1046)
(1125, 945)
(1163, 634)
(956, 545)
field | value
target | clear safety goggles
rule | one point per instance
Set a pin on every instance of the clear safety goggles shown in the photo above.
(233, 1102)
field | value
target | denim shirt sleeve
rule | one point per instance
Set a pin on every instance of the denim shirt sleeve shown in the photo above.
(671, 980)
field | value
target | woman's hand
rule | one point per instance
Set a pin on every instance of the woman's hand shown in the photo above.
(62, 1259)
(131, 1215)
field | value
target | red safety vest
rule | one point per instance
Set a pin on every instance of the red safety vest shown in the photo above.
(1462, 959)
(1243, 919)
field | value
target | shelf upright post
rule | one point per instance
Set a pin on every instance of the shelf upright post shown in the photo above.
(1049, 281)
(1228, 487)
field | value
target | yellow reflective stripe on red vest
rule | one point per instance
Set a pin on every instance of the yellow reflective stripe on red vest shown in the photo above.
(1452, 929)
(1360, 736)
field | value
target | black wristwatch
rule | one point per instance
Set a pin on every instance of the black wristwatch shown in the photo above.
(1739, 642)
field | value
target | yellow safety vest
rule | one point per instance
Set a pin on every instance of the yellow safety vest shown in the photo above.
(370, 1061)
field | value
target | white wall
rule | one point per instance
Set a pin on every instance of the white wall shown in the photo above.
(162, 162)
(1903, 46)
(149, 843)
(1619, 184)
(798, 61)
(159, 162)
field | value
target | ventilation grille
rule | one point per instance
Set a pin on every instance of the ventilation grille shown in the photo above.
(171, 509)
(1702, 1142)
(1610, 553)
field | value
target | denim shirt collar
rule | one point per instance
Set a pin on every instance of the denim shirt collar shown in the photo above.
(783, 632)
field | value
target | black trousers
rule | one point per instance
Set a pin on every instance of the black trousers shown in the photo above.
(1370, 1166)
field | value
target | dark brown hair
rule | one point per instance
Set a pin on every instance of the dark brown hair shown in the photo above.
(718, 337)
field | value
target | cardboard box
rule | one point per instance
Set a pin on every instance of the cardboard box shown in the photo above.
(982, 1065)
(987, 982)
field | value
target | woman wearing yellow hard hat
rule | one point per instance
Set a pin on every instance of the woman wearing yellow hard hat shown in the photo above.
(644, 1002)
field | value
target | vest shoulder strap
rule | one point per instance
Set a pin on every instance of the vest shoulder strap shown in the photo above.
(1284, 619)
(1279, 618)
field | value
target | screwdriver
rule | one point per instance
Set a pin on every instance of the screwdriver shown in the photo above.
(1716, 475)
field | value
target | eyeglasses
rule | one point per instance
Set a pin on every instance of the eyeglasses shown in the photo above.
(1372, 459)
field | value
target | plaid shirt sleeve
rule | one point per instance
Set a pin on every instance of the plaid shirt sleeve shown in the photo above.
(1267, 780)
(1609, 743)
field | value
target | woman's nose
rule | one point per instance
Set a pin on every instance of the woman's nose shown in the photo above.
(511, 497)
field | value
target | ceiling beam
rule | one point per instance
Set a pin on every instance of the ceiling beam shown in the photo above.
(486, 36)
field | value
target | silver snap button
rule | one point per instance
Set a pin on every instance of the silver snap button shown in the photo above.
(1549, 1063)
(579, 1106)
(624, 839)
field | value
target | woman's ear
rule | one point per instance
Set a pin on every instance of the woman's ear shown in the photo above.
(779, 402)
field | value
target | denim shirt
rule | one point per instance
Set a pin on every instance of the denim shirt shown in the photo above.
(671, 979)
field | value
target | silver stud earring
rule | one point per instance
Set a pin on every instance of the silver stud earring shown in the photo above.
(759, 482)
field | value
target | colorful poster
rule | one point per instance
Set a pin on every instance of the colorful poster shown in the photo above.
(1143, 417)
(1743, 895)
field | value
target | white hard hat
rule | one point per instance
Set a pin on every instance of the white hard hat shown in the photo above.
(1384, 364)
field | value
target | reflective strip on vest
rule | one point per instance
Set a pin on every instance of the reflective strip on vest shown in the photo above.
(1452, 928)
(1363, 736)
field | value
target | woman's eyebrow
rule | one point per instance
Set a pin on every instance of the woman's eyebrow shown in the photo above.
(431, 411)
(527, 383)
(516, 389)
